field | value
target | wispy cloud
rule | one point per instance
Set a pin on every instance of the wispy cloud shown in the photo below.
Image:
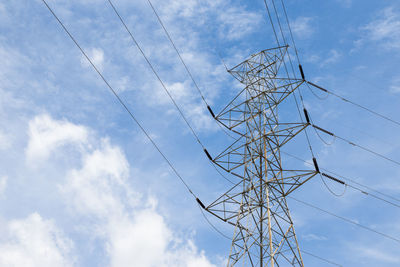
(46, 134)
(313, 237)
(302, 27)
(35, 241)
(98, 187)
(3, 184)
(96, 55)
(377, 255)
(345, 3)
(331, 58)
(395, 86)
(385, 29)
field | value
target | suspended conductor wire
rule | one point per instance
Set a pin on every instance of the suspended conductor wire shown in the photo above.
(355, 104)
(120, 100)
(346, 220)
(177, 51)
(320, 258)
(156, 74)
(284, 39)
(298, 59)
(272, 23)
(317, 96)
(355, 182)
(294, 94)
(290, 31)
(359, 146)
(212, 225)
(163, 85)
(320, 137)
(330, 92)
(330, 190)
(323, 140)
(186, 67)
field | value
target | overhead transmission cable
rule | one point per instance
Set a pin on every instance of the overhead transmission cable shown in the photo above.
(347, 220)
(122, 103)
(187, 68)
(344, 99)
(357, 188)
(291, 64)
(134, 118)
(354, 103)
(356, 145)
(299, 89)
(167, 91)
(328, 91)
(320, 258)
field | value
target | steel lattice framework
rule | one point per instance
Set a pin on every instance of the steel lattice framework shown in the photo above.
(256, 206)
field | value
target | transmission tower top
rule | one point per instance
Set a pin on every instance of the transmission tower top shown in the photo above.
(256, 205)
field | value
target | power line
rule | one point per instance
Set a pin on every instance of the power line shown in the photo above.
(292, 68)
(178, 53)
(320, 258)
(354, 182)
(187, 68)
(290, 31)
(165, 88)
(346, 220)
(328, 91)
(357, 145)
(354, 103)
(121, 101)
(156, 74)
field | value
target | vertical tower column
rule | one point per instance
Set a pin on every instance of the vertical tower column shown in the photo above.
(256, 206)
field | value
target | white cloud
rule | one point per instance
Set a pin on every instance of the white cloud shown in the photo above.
(153, 242)
(46, 134)
(375, 254)
(234, 23)
(302, 27)
(237, 22)
(333, 57)
(313, 237)
(385, 29)
(5, 141)
(3, 184)
(95, 188)
(33, 242)
(96, 55)
(395, 86)
(395, 89)
(134, 233)
(179, 91)
(345, 3)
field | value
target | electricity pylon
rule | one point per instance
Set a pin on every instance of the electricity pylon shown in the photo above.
(256, 206)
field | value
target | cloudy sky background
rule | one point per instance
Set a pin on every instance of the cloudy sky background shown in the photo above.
(80, 185)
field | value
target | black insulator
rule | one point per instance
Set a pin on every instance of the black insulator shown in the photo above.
(208, 154)
(315, 164)
(323, 130)
(301, 72)
(333, 178)
(211, 112)
(306, 115)
(200, 203)
(317, 86)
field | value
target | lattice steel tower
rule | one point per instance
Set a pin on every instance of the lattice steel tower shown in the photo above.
(256, 206)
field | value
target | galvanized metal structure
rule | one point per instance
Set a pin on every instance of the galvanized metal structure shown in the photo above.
(256, 206)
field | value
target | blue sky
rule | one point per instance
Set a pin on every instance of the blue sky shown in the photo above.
(80, 185)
